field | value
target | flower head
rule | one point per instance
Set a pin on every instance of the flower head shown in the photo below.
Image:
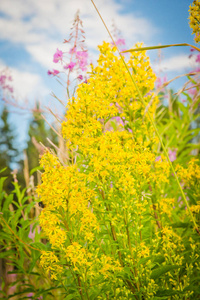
(58, 56)
(80, 77)
(194, 18)
(54, 72)
(172, 154)
(82, 59)
(120, 42)
(70, 66)
(198, 58)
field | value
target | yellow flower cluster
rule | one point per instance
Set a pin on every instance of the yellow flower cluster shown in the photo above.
(79, 257)
(109, 266)
(107, 94)
(191, 174)
(97, 208)
(191, 179)
(66, 199)
(50, 263)
(194, 18)
(164, 206)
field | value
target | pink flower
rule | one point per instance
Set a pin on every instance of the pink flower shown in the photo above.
(70, 66)
(119, 120)
(80, 77)
(2, 79)
(192, 50)
(82, 54)
(172, 154)
(54, 72)
(31, 233)
(4, 84)
(160, 81)
(191, 91)
(158, 158)
(82, 59)
(72, 50)
(120, 42)
(58, 56)
(198, 58)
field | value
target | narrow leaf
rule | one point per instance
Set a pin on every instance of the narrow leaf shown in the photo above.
(159, 47)
(162, 270)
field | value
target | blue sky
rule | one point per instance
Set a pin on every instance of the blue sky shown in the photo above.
(32, 30)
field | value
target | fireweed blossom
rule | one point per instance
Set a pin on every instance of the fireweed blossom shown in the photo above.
(70, 66)
(58, 56)
(102, 209)
(75, 60)
(5, 81)
(82, 57)
(172, 154)
(198, 58)
(53, 72)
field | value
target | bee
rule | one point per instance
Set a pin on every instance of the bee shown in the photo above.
(41, 204)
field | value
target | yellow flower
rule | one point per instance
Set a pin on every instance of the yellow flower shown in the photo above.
(194, 17)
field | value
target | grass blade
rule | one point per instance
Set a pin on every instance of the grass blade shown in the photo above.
(159, 47)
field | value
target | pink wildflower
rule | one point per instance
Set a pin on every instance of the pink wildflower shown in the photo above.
(120, 42)
(172, 154)
(5, 81)
(191, 91)
(160, 81)
(198, 58)
(57, 56)
(158, 158)
(80, 77)
(72, 50)
(82, 58)
(119, 120)
(54, 72)
(70, 66)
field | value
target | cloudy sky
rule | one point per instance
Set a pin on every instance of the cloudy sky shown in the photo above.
(32, 30)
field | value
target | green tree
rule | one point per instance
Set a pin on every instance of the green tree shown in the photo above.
(9, 154)
(38, 133)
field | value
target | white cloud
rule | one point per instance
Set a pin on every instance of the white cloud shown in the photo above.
(40, 25)
(178, 63)
(27, 86)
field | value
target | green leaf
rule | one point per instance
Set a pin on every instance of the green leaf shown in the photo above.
(28, 290)
(6, 253)
(33, 263)
(181, 225)
(39, 246)
(2, 179)
(7, 202)
(36, 169)
(162, 270)
(159, 47)
(2, 170)
(164, 293)
(71, 296)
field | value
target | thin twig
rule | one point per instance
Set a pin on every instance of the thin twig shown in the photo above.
(51, 126)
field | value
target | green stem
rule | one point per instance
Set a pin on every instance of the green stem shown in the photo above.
(152, 121)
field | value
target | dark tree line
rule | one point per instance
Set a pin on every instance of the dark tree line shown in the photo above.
(11, 156)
